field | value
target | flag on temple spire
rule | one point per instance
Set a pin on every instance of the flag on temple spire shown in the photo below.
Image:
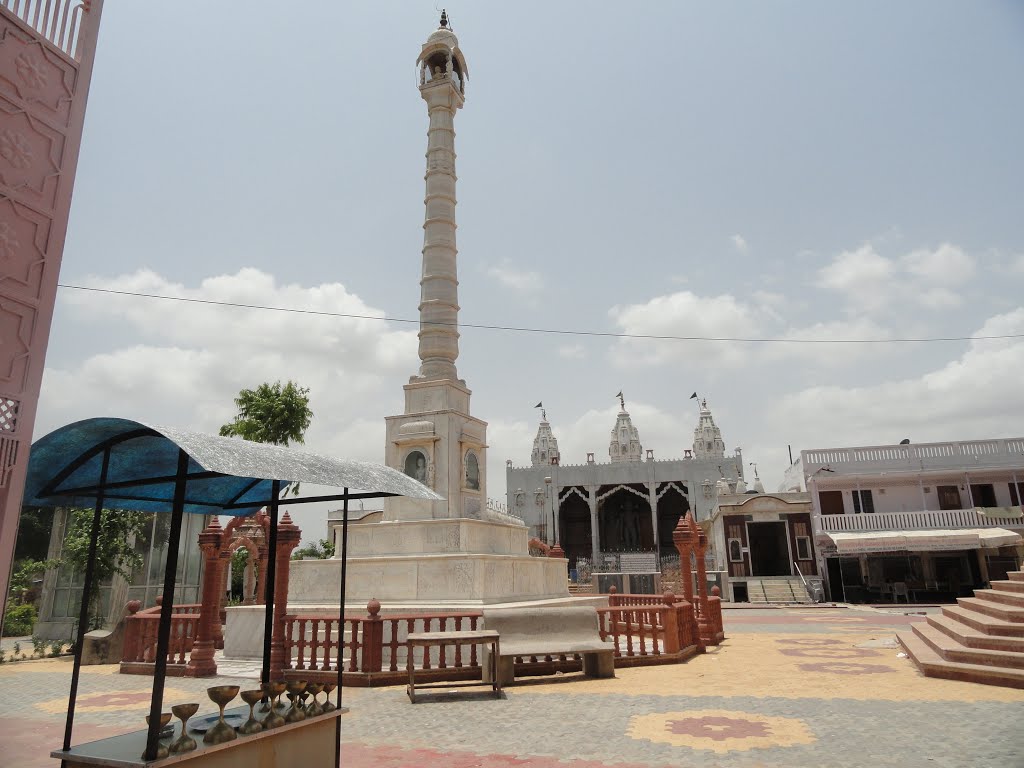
(693, 396)
(539, 405)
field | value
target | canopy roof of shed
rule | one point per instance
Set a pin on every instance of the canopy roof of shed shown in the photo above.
(225, 475)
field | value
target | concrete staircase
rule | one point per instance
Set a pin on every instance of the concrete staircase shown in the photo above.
(980, 639)
(779, 589)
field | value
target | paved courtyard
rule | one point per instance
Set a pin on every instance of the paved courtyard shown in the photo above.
(789, 687)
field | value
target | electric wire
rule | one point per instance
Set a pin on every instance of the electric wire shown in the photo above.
(552, 331)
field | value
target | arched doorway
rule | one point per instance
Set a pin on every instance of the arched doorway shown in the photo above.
(673, 503)
(574, 525)
(624, 518)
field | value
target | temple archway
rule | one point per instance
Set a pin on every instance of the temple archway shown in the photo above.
(574, 525)
(624, 518)
(673, 503)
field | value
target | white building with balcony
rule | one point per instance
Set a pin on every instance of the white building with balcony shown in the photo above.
(925, 522)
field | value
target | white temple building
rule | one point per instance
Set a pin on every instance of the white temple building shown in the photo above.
(632, 502)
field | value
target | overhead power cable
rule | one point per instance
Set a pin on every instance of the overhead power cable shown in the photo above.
(553, 331)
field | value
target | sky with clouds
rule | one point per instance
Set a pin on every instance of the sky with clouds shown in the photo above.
(786, 170)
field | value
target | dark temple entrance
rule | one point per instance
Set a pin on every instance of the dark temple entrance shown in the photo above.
(769, 551)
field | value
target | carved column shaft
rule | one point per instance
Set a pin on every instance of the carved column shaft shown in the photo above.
(201, 662)
(439, 299)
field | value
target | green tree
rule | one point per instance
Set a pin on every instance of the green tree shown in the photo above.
(321, 550)
(271, 414)
(115, 551)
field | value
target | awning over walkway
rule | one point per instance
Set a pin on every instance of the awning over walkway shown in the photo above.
(225, 475)
(923, 541)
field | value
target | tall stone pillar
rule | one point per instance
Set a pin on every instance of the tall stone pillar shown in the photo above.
(201, 662)
(652, 498)
(436, 440)
(288, 538)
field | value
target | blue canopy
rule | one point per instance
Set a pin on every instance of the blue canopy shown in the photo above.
(225, 475)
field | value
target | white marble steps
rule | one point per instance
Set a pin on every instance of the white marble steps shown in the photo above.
(933, 665)
(1015, 599)
(1016, 576)
(779, 590)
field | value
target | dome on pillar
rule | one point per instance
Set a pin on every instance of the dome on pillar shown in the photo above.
(441, 60)
(545, 446)
(625, 439)
(707, 437)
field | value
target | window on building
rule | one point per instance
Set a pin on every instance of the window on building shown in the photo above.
(803, 547)
(831, 502)
(983, 494)
(862, 502)
(1016, 493)
(949, 497)
(735, 551)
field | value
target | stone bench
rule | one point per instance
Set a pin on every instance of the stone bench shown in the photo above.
(529, 632)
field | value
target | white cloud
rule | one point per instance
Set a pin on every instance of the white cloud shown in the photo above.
(187, 362)
(969, 397)
(524, 281)
(832, 354)
(685, 314)
(739, 243)
(946, 265)
(871, 282)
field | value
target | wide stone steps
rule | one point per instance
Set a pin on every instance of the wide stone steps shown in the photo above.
(1014, 599)
(933, 665)
(980, 639)
(991, 608)
(951, 650)
(1008, 586)
(990, 625)
(975, 638)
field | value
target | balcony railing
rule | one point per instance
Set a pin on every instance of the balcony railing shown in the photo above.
(140, 638)
(924, 520)
(967, 454)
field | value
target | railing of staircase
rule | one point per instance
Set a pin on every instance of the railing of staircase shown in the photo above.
(807, 587)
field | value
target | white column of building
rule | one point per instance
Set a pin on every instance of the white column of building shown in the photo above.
(595, 533)
(439, 300)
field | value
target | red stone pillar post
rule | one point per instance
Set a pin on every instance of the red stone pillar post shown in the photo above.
(201, 662)
(373, 639)
(288, 538)
(700, 540)
(223, 584)
(682, 537)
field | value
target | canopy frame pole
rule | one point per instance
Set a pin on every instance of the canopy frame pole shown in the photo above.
(341, 622)
(271, 577)
(83, 613)
(167, 606)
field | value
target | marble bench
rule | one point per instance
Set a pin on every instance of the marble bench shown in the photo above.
(549, 631)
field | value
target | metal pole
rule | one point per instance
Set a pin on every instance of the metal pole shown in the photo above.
(83, 614)
(271, 577)
(341, 624)
(167, 607)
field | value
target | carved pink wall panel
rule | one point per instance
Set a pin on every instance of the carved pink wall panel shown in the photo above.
(42, 108)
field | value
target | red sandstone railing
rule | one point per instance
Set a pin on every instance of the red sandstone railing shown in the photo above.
(59, 21)
(140, 639)
(374, 648)
(644, 629)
